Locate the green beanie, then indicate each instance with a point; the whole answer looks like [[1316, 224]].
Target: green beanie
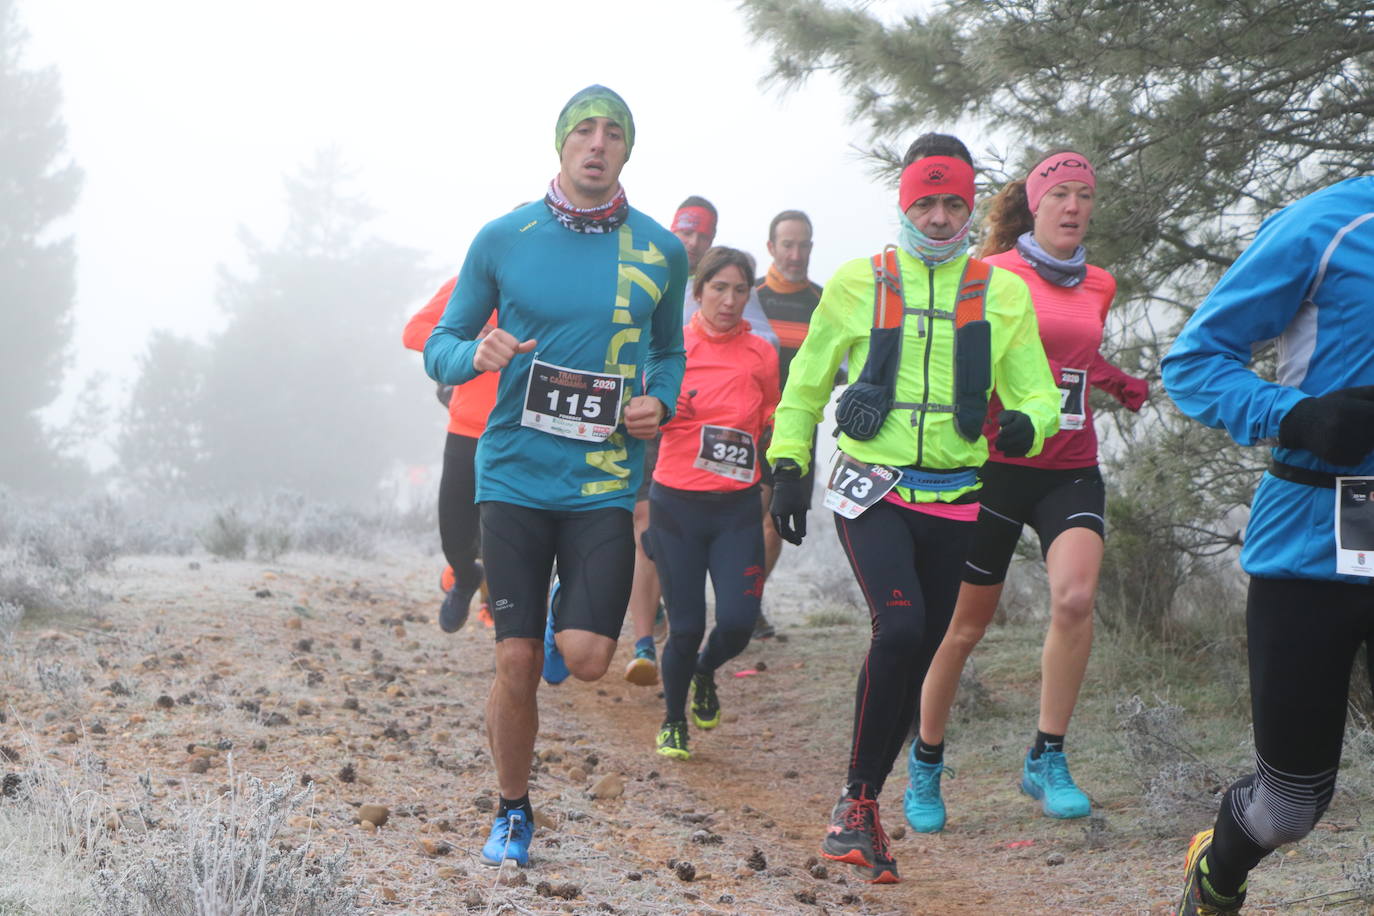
[[595, 101]]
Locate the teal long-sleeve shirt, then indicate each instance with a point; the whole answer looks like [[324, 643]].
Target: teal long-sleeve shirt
[[608, 303]]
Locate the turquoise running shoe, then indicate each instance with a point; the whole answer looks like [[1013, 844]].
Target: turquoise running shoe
[[509, 840], [1048, 780], [555, 669], [642, 670], [923, 805]]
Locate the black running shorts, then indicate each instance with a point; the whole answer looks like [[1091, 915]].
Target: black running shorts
[[1049, 500], [595, 554]]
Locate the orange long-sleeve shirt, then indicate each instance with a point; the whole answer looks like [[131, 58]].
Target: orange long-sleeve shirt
[[731, 384], [471, 404]]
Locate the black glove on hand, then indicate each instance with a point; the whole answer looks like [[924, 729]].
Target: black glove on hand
[[1015, 434], [1337, 427], [789, 501], [444, 393]]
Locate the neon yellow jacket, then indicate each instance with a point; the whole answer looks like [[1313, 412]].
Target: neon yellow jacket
[[840, 327]]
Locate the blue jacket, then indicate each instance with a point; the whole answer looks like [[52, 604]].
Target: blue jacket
[[1307, 284], [605, 302]]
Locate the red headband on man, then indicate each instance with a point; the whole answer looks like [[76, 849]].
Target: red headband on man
[[694, 219], [936, 175], [1057, 169]]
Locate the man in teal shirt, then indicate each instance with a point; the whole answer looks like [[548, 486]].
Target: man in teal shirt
[[587, 292]]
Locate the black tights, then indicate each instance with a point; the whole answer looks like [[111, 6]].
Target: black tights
[[908, 565], [459, 517], [1303, 636], [691, 535]]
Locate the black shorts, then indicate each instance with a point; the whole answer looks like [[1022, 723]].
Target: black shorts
[[595, 553], [1049, 500]]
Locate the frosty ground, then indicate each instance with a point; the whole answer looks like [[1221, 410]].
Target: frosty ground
[[327, 679]]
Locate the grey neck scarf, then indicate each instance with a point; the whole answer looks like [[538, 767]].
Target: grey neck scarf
[[1055, 270]]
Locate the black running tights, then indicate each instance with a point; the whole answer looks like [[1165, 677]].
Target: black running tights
[[691, 536], [459, 517], [908, 565], [1303, 637]]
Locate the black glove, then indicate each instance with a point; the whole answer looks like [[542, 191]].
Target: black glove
[[1337, 427], [1015, 434], [444, 393], [790, 500]]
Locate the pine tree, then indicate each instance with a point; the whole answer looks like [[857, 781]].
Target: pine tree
[[308, 386], [160, 447], [38, 186], [1202, 116]]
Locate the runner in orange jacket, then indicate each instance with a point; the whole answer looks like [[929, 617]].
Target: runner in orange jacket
[[468, 408]]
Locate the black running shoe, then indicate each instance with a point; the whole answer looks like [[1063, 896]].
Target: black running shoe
[[856, 837], [705, 703], [762, 628], [453, 613]]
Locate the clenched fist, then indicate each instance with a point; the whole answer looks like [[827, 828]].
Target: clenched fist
[[643, 415], [496, 350]]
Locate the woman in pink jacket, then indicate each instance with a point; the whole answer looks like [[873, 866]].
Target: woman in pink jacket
[[1036, 230]]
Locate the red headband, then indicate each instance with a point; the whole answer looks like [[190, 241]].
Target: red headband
[[936, 175], [694, 219], [1057, 169]]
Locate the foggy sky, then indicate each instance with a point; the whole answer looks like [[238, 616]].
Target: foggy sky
[[185, 116]]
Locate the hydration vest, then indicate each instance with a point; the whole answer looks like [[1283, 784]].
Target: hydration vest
[[865, 404]]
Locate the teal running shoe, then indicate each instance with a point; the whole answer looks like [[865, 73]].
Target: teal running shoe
[[642, 670], [1048, 780], [509, 840], [555, 669], [923, 805]]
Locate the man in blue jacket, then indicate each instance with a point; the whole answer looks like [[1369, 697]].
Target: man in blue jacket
[[587, 292], [1306, 283]]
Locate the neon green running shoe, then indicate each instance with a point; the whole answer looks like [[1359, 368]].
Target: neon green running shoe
[[1198, 896], [705, 703], [672, 740]]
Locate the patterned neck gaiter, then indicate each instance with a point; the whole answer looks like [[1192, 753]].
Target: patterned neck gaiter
[[933, 252], [608, 217]]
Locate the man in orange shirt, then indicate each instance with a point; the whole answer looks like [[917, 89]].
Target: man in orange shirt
[[788, 297]]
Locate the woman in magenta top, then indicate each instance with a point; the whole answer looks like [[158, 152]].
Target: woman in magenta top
[[704, 502], [1036, 230]]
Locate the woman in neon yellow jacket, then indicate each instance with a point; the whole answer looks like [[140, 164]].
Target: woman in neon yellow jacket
[[929, 332]]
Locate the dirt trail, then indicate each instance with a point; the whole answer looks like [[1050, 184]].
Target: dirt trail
[[335, 670]]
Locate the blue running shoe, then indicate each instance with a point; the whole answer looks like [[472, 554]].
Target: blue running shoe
[[922, 803], [555, 669], [642, 670], [1048, 780], [509, 840]]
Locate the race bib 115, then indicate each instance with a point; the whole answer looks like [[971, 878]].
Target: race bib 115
[[571, 403]]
